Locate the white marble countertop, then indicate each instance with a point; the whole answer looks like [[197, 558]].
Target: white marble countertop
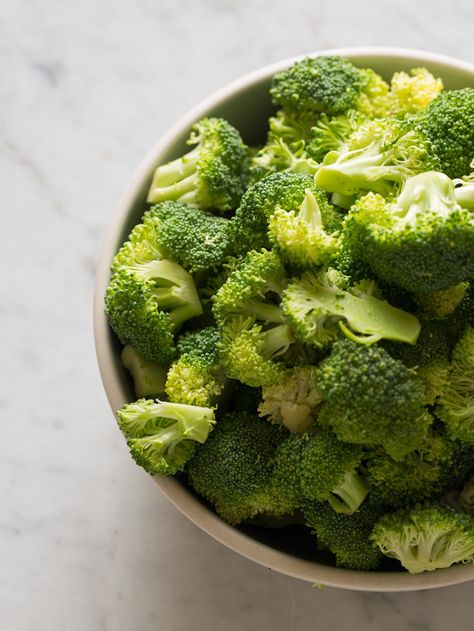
[[86, 540]]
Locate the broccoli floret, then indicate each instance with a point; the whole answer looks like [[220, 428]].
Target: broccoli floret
[[328, 84], [163, 436], [329, 472], [423, 242], [347, 536], [464, 193], [233, 469], [447, 125], [372, 399], [413, 92], [192, 237], [286, 475], [417, 477], [331, 133], [211, 176], [249, 226], [196, 378], [149, 378], [248, 353], [318, 307], [442, 303], [250, 288], [293, 401], [456, 403], [426, 537], [147, 303], [300, 237]]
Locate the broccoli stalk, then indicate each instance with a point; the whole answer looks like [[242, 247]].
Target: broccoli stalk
[[149, 378], [162, 436]]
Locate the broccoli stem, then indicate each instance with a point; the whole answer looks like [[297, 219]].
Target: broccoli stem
[[176, 170], [180, 190], [349, 494], [429, 191], [465, 196], [262, 311], [310, 212], [276, 341]]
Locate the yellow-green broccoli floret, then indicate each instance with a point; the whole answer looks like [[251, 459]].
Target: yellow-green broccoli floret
[[413, 92]]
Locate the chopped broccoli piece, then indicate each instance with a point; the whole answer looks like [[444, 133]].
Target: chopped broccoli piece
[[329, 472], [211, 176], [293, 401], [426, 537], [233, 469], [442, 303], [162, 436], [456, 403], [318, 307], [347, 536], [328, 84], [422, 242], [149, 378], [372, 399], [192, 237], [147, 303], [413, 92], [331, 133], [196, 378], [299, 235], [464, 193]]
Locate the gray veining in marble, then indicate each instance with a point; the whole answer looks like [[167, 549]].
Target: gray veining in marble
[[86, 541]]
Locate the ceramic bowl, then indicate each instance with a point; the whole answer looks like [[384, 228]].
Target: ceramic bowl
[[246, 104]]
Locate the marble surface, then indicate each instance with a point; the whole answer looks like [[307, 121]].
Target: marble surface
[[86, 540]]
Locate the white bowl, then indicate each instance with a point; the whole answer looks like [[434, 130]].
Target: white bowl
[[246, 104]]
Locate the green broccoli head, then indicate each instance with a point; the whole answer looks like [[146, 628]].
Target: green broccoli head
[[328, 84], [372, 399], [211, 176], [426, 537], [196, 378], [233, 469], [162, 436], [281, 190], [319, 307], [329, 472], [300, 237], [293, 401], [423, 242], [250, 353], [456, 403], [347, 536], [192, 237], [147, 303]]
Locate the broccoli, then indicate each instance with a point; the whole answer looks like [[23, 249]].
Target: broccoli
[[211, 176], [331, 133], [464, 193], [426, 537], [248, 353], [300, 237], [286, 472], [163, 436], [249, 289], [192, 237], [233, 469], [347, 536], [381, 154], [328, 84], [329, 472], [320, 306], [196, 378], [417, 477], [149, 378], [147, 303], [442, 303], [456, 403], [412, 93], [249, 226], [423, 242], [293, 401], [372, 399]]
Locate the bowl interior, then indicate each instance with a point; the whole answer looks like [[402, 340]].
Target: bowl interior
[[246, 104]]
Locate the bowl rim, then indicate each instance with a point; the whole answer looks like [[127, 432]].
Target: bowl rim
[[192, 507]]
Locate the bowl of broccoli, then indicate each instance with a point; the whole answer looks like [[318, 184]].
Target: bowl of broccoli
[[284, 318]]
